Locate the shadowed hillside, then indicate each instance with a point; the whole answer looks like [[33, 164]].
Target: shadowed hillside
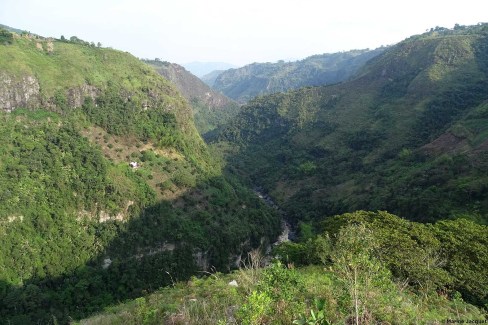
[[361, 268]]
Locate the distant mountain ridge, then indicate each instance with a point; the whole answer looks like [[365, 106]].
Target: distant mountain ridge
[[190, 86], [245, 83]]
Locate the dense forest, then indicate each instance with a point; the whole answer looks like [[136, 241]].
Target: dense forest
[[115, 211]]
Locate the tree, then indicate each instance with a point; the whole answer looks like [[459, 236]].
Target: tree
[[359, 270]]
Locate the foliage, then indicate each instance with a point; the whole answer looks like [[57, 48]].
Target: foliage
[[256, 310], [119, 117], [313, 251], [274, 298], [208, 119], [6, 37], [61, 187], [211, 109], [280, 282], [361, 273], [464, 247], [316, 318], [428, 257]]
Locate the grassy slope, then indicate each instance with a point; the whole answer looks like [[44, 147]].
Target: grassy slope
[[212, 301], [360, 144], [70, 65]]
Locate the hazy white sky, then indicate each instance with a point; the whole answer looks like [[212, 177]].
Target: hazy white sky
[[238, 32]]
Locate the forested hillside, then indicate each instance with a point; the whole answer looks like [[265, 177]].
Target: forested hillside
[[80, 228], [408, 134], [243, 84], [210, 108]]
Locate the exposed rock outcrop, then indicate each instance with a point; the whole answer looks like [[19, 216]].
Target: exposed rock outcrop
[[21, 92], [77, 95], [25, 92], [201, 260]]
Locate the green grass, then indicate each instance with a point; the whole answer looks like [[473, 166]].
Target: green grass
[[72, 65]]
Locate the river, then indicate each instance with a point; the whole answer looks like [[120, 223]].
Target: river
[[287, 232]]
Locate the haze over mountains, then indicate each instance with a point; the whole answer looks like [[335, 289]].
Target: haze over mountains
[[109, 193], [200, 69]]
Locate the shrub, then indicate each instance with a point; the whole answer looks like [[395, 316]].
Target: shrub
[[6, 37]]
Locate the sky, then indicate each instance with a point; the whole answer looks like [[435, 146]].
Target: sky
[[238, 32]]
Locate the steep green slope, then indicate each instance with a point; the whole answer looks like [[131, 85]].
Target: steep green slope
[[80, 229], [210, 109], [407, 134], [256, 79]]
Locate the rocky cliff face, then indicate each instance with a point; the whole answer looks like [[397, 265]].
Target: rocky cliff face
[[210, 108], [190, 86], [15, 93], [24, 92]]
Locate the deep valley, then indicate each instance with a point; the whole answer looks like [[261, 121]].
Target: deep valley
[[131, 192]]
